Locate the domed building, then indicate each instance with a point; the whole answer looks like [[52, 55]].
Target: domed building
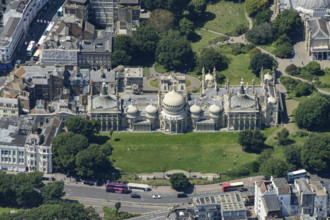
[[173, 115], [223, 108]]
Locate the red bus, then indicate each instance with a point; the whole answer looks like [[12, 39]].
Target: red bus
[[227, 187], [116, 187]]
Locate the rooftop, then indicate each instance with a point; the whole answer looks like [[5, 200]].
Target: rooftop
[[282, 185], [271, 203]]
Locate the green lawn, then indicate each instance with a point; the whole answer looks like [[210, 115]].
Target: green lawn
[[202, 152], [226, 16], [239, 68], [325, 79], [269, 47], [204, 40], [146, 71], [154, 83]]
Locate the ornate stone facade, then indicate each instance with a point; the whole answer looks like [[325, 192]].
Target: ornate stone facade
[[227, 108]]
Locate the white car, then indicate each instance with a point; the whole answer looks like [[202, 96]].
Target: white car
[[156, 197]]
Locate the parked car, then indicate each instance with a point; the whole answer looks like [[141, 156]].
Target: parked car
[[135, 196], [156, 197]]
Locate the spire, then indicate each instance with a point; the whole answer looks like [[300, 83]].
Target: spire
[[102, 73], [203, 70]]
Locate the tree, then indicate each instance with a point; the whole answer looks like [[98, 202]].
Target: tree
[[265, 155], [123, 42], [210, 58], [161, 20], [314, 114], [262, 17], [288, 22], [252, 7], [186, 27], [153, 4], [53, 191], [117, 206], [261, 34], [65, 147], [303, 89], [179, 181], [252, 141], [292, 155], [292, 70], [261, 60], [282, 136], [79, 125], [63, 210], [145, 39], [254, 52], [313, 68], [120, 57], [274, 167], [174, 51], [197, 8], [315, 154], [93, 162]]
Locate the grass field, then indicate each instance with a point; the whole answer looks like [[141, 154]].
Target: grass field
[[202, 152], [325, 79], [146, 71], [239, 68], [204, 40], [225, 16]]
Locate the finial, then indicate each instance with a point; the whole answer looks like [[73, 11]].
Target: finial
[[203, 70], [90, 82]]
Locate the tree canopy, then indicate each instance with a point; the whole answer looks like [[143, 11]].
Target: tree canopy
[[179, 181], [53, 191], [314, 114], [161, 20], [186, 27], [275, 167], [261, 34], [288, 22], [79, 125], [65, 148], [174, 51], [292, 155], [63, 210], [93, 162], [145, 39], [252, 7], [197, 8], [315, 154], [210, 58], [261, 60], [252, 141]]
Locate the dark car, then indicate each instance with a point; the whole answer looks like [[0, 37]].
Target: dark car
[[135, 196], [182, 195]]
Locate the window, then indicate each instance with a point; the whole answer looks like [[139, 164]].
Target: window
[[44, 157], [14, 160], [13, 112]]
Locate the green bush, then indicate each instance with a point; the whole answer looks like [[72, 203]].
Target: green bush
[[253, 52], [303, 89], [301, 133], [218, 39], [292, 70]]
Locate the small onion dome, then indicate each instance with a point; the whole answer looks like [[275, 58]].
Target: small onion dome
[[131, 109], [173, 102], [268, 77], [151, 109], [195, 109], [214, 109], [272, 100], [209, 77], [120, 68]]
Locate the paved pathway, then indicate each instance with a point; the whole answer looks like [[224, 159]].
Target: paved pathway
[[300, 58]]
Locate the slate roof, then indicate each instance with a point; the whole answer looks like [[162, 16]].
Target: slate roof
[[271, 203]]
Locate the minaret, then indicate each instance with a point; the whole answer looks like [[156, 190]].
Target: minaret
[[228, 84], [262, 75], [159, 99], [274, 76], [253, 85], [215, 79], [241, 89], [203, 81], [102, 72], [90, 97]]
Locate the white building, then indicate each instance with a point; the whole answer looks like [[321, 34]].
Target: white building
[[304, 199], [8, 107], [25, 143], [16, 20]]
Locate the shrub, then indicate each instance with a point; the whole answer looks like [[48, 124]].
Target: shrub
[[313, 68], [253, 52], [179, 181], [303, 89], [292, 70]]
